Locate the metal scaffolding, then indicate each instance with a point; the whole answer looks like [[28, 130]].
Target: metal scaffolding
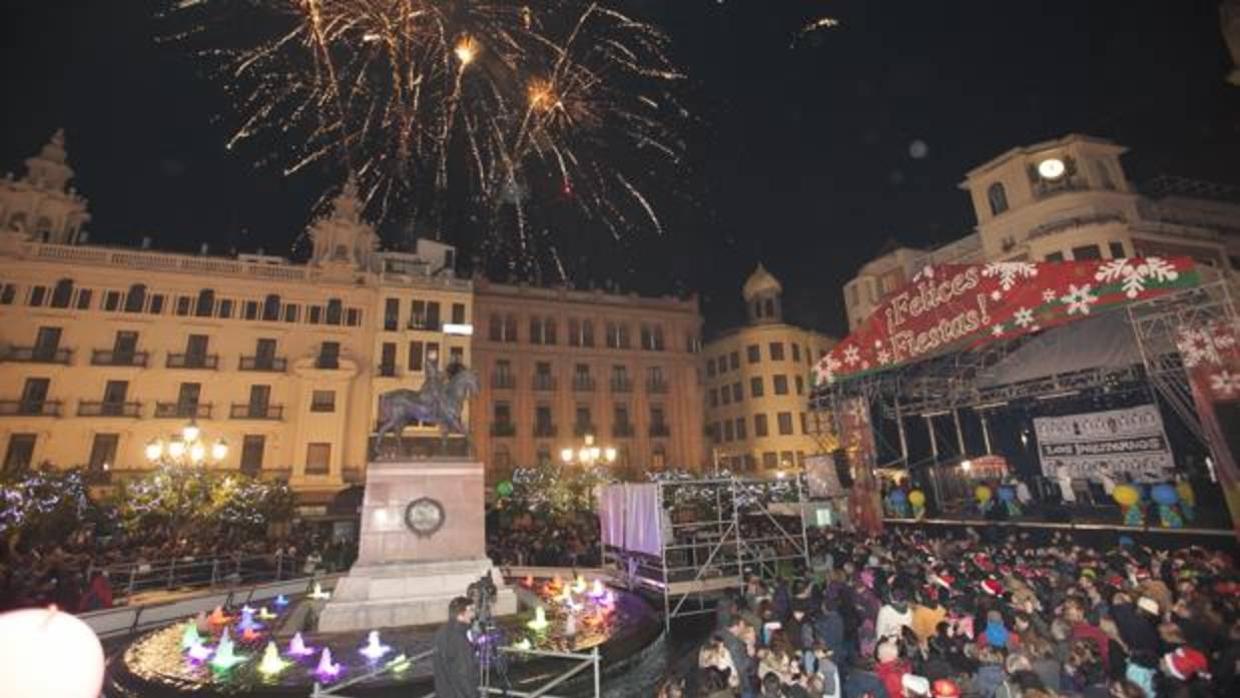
[[714, 534]]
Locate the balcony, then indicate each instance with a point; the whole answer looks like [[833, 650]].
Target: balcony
[[580, 430], [329, 363], [621, 385], [270, 364], [110, 357], [208, 362], [39, 355], [622, 431], [90, 408], [583, 384], [387, 371], [660, 430], [245, 410], [427, 325], [544, 430], [544, 382], [177, 410], [30, 408], [656, 387], [503, 429], [503, 381]]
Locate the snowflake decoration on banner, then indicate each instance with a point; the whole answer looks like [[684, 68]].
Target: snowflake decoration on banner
[[860, 411], [1134, 278], [884, 357], [852, 355], [1079, 299], [996, 295], [1225, 383], [1010, 272], [826, 369], [1195, 347], [1023, 317], [1223, 337], [1049, 296], [997, 330]]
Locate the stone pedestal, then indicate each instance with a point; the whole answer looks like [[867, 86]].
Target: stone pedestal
[[403, 578]]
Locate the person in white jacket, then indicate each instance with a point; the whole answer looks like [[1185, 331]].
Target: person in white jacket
[[893, 617]]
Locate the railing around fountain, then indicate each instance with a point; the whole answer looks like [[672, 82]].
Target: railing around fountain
[[581, 662], [130, 578]]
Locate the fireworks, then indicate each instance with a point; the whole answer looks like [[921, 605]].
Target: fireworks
[[486, 110]]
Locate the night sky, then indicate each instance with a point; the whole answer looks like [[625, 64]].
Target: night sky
[[800, 155]]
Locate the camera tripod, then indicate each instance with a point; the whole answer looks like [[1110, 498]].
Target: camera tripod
[[491, 662]]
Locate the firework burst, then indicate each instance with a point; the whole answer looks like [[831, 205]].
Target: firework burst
[[482, 109]]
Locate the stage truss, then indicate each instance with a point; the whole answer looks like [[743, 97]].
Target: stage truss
[[712, 540]]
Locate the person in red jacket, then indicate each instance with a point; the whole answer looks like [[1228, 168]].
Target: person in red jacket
[[98, 594], [1074, 613], [891, 669]]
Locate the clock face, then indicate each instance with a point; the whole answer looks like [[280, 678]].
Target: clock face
[[424, 516], [1051, 168]]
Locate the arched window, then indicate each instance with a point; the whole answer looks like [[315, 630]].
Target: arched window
[[334, 310], [135, 299], [62, 294], [271, 308], [997, 197], [206, 303]]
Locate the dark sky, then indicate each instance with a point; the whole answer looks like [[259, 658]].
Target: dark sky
[[801, 158]]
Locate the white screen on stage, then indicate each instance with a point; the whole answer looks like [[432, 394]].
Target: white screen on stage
[[629, 517]]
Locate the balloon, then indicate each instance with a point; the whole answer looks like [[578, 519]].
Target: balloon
[[1126, 495], [1185, 490], [1165, 494], [917, 498], [1007, 493], [897, 495], [44, 653], [504, 489], [982, 493]]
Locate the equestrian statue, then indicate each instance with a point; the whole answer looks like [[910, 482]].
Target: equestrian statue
[[439, 401]]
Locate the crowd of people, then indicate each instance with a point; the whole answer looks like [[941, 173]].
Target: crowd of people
[[906, 615], [89, 572], [546, 540]]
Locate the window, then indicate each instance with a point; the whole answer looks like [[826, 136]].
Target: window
[[796, 351], [582, 420], [574, 332], [124, 346], [83, 299], [46, 342], [260, 398], [536, 334], [62, 293], [768, 306], [458, 314], [777, 351], [715, 432], [1086, 252], [740, 429], [316, 314], [103, 452], [734, 360], [542, 368], [38, 294], [729, 433], [510, 328], [760, 427], [781, 384], [135, 299], [456, 356], [658, 458], [725, 395], [770, 460], [271, 308], [1054, 257], [712, 397], [503, 367], [252, 447], [737, 393], [997, 196], [290, 313], [623, 331], [587, 333], [785, 423], [432, 353], [323, 401], [114, 393], [432, 315], [710, 368], [334, 309], [647, 337], [187, 399], [112, 301], [753, 353], [182, 309], [415, 356], [206, 303], [549, 331], [800, 385], [786, 459], [226, 307], [387, 360], [20, 452], [495, 328], [353, 318], [1117, 250], [391, 314], [196, 349], [502, 413], [542, 421], [620, 419], [318, 458], [657, 420], [329, 355], [804, 424], [755, 386], [250, 310]]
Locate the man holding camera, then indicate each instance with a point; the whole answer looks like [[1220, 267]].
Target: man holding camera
[[456, 667]]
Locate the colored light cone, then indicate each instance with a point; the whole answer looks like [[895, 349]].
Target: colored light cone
[[190, 637], [327, 669], [264, 614], [374, 650], [271, 663], [281, 601], [224, 657], [318, 594], [297, 647], [540, 619]]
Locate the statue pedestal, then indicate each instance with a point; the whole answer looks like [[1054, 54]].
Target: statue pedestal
[[406, 577]]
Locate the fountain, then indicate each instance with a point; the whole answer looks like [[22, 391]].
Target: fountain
[[597, 591], [271, 663], [224, 657], [297, 647], [374, 650], [318, 594], [248, 609], [579, 585], [247, 621], [250, 635], [399, 663], [198, 652], [523, 644], [218, 617], [190, 637], [540, 620], [326, 668], [264, 614], [281, 601]]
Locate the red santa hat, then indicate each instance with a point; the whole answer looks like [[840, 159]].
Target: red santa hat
[[992, 586], [1185, 663], [944, 580], [945, 688]]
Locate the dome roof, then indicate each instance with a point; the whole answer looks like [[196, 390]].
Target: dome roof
[[761, 281]]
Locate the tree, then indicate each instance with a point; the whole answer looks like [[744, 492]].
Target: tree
[[45, 506], [178, 499]]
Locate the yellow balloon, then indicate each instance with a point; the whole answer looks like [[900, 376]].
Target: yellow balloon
[[982, 493], [1186, 491], [917, 498], [1126, 495]]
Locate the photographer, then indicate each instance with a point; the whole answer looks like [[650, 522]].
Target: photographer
[[456, 668]]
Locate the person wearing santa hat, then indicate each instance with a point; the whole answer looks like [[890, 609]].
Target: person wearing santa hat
[[944, 688], [1181, 668]]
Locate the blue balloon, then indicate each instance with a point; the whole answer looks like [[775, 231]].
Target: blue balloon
[[1007, 493], [1165, 494], [898, 496]]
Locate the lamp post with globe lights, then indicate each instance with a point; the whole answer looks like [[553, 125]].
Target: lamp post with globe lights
[[187, 448], [589, 455]]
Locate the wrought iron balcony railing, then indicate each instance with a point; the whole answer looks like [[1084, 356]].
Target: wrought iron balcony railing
[[30, 408], [273, 364], [92, 408], [244, 410], [111, 357], [208, 362], [39, 355], [179, 410]]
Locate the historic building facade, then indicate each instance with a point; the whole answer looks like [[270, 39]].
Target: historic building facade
[[757, 386], [103, 349], [1062, 200], [559, 364]]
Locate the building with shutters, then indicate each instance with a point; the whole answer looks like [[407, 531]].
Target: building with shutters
[[757, 385], [103, 349]]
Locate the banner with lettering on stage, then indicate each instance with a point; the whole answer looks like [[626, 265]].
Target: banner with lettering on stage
[[1127, 444], [953, 307]]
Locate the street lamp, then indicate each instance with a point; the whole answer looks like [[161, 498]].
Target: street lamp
[[186, 448], [589, 454]]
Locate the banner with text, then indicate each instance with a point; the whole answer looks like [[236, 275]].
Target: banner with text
[[952, 307], [1131, 442]]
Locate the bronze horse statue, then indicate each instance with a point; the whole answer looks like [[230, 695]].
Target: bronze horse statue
[[436, 402]]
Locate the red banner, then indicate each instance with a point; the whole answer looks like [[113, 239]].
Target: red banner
[[1211, 355], [952, 307]]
